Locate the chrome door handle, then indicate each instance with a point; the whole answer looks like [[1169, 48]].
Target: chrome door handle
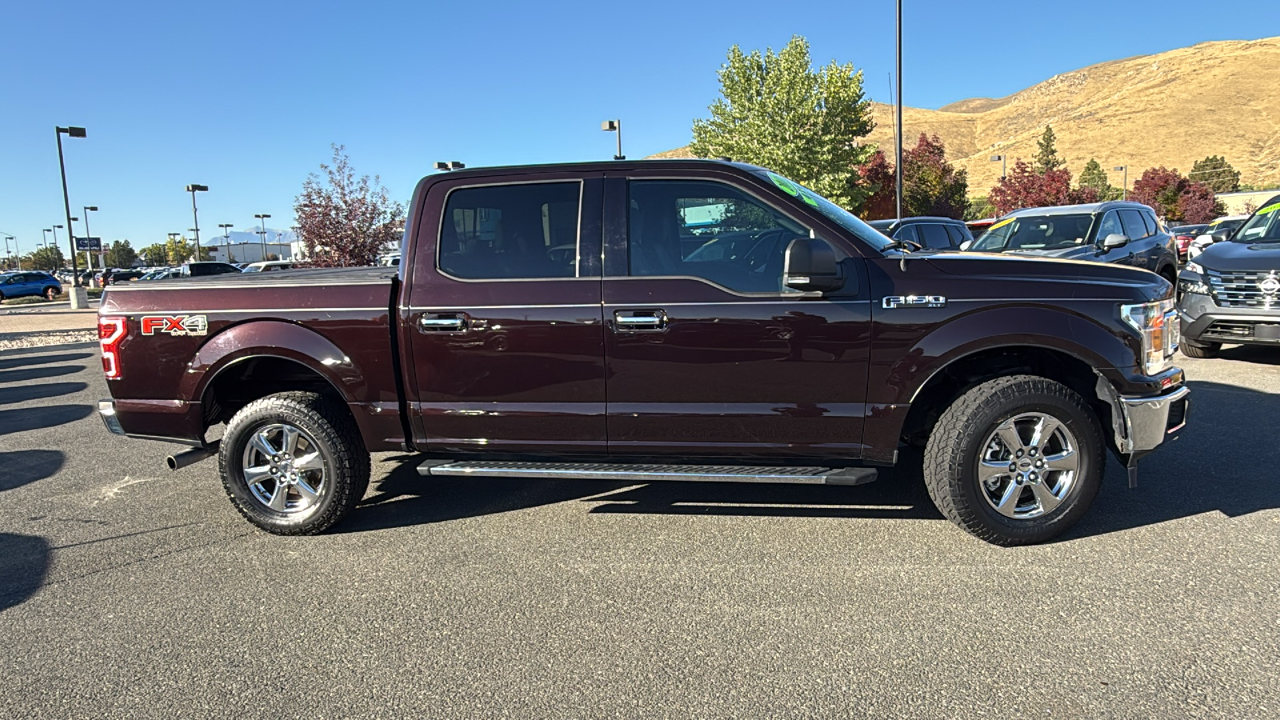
[[640, 320], [439, 322]]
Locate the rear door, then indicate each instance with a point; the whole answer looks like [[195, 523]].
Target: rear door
[[1140, 243], [504, 339], [708, 356]]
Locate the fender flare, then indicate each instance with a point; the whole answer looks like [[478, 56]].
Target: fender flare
[[276, 339], [1042, 328]]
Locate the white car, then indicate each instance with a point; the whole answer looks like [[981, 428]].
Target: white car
[[268, 266], [1223, 226]]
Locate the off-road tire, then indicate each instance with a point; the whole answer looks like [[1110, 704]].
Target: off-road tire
[[1199, 350], [952, 452], [346, 461]]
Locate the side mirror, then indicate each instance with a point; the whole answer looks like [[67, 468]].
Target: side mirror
[[811, 266], [1115, 240], [1221, 236], [965, 245]]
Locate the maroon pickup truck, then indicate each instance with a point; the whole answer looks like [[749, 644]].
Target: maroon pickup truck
[[654, 320]]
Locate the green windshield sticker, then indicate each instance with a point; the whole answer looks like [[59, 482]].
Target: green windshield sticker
[[787, 186], [1269, 209], [809, 199]]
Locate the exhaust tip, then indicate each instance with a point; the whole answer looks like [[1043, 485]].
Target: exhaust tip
[[172, 462]]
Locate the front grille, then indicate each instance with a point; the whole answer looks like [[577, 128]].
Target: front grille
[[1240, 289]]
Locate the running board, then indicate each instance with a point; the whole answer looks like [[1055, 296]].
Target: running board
[[622, 472]]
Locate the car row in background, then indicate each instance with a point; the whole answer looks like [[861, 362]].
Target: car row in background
[[1126, 233], [1230, 290], [1184, 235], [1219, 230], [932, 233]]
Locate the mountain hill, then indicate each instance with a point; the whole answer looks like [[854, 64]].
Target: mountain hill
[[1170, 109]]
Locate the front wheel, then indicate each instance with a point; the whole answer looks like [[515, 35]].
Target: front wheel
[[1194, 349], [1015, 461], [293, 463], [50, 293]]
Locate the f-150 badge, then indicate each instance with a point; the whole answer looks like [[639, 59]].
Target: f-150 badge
[[176, 325], [913, 301]]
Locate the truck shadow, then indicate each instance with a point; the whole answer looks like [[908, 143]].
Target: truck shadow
[[28, 360], [25, 393], [23, 467], [35, 418], [37, 373], [1255, 354], [1218, 464], [24, 561]]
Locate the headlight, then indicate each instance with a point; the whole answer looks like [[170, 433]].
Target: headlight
[[1194, 267], [1157, 325]]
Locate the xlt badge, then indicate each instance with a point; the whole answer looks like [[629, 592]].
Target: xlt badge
[[916, 301]]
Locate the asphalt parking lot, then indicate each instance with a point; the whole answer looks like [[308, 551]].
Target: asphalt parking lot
[[127, 590]]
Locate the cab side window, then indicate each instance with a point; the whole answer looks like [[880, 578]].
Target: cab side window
[[1110, 226], [1133, 225], [935, 236], [523, 231], [908, 232], [707, 230]]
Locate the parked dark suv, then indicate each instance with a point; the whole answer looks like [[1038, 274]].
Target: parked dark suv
[[1230, 293], [1124, 233], [934, 233]]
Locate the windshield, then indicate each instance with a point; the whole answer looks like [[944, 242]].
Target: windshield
[[1264, 226], [253, 268], [1036, 232], [832, 212]]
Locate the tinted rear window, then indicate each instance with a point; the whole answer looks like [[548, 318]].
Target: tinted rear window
[[934, 236], [511, 231]]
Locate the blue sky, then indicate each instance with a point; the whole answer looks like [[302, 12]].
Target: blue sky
[[247, 96]]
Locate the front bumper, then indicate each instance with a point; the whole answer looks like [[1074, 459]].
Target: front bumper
[[1203, 321], [1149, 421]]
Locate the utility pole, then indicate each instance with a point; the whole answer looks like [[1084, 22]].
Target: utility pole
[[226, 238], [263, 235], [897, 167], [1124, 194], [78, 298]]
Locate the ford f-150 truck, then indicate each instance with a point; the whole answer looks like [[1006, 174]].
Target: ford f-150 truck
[[654, 320]]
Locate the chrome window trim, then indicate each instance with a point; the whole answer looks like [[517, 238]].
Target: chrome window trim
[[226, 311], [135, 287], [577, 254]]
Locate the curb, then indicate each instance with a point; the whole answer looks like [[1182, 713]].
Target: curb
[[48, 348]]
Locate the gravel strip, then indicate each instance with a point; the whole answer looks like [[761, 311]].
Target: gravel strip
[[10, 341]]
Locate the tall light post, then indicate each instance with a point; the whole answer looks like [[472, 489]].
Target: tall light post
[[195, 218], [226, 238], [263, 235], [897, 140], [614, 126], [77, 301], [1002, 160], [89, 252], [1124, 192], [7, 238], [53, 258], [45, 242]]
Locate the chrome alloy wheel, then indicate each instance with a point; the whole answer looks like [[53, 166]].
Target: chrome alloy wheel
[[1028, 466], [283, 468]]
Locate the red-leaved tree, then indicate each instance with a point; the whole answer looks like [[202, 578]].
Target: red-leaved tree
[[1175, 197], [345, 221], [1026, 188], [930, 184]]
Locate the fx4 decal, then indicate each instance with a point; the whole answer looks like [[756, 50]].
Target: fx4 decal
[[177, 325]]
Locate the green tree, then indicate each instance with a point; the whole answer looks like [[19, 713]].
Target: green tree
[[121, 254], [1047, 159], [177, 250], [1216, 173], [1093, 176], [155, 254], [778, 112], [45, 258]]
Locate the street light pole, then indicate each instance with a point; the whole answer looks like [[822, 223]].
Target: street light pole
[[195, 218], [1002, 159], [263, 235], [615, 126], [7, 238], [53, 259], [898, 139], [75, 132], [1124, 188], [226, 238]]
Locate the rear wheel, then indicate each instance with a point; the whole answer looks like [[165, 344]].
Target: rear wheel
[[293, 463], [1199, 350], [1015, 461], [50, 293]]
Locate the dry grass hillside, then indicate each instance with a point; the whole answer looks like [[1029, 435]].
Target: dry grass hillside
[[1171, 109]]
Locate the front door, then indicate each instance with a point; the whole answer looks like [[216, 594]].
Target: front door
[[504, 333], [708, 355]]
